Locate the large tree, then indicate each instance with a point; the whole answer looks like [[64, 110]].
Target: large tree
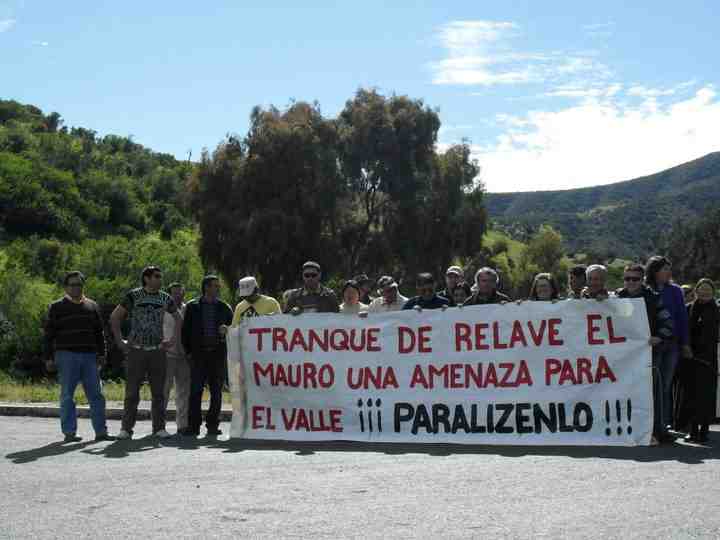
[[365, 192], [387, 152], [271, 201]]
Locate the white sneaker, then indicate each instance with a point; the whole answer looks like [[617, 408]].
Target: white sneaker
[[162, 434], [124, 435]]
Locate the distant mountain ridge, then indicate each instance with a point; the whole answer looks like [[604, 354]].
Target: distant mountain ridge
[[626, 219]]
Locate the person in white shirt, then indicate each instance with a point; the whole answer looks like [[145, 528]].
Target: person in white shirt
[[178, 368], [391, 299], [351, 299]]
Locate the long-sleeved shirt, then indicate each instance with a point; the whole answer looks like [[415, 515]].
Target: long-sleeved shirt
[[380, 305], [659, 317], [169, 332], [673, 300], [436, 302], [75, 327], [495, 298]]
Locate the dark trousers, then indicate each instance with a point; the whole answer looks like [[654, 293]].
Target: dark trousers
[[208, 367], [141, 363]]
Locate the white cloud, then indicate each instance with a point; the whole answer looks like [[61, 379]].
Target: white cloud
[[478, 53], [6, 24], [598, 141], [584, 91]]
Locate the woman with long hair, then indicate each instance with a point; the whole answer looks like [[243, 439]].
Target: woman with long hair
[[699, 373], [544, 287]]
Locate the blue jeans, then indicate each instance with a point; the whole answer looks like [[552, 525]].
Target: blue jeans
[[666, 361], [74, 368]]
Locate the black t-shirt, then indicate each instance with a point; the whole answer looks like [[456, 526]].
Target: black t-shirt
[[436, 302], [146, 311]]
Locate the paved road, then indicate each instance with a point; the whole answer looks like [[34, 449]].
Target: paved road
[[216, 489]]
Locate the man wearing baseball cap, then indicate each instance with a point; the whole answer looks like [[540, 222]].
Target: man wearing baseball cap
[[252, 303], [391, 299], [453, 276], [312, 297]]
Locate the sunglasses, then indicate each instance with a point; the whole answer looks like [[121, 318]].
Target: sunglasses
[[629, 278], [310, 276]]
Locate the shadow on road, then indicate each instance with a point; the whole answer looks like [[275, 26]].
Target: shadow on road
[[683, 453], [49, 450]]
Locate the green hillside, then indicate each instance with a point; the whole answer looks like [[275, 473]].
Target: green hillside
[[73, 184], [626, 219]]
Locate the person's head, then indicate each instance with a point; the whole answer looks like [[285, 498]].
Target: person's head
[[460, 293], [351, 293], [576, 278], [177, 291], [151, 278], [486, 280], [658, 271], [425, 285], [311, 275], [705, 291], [544, 287], [388, 288], [211, 286], [688, 293], [596, 277], [74, 283], [364, 283], [247, 289], [453, 276], [633, 275]]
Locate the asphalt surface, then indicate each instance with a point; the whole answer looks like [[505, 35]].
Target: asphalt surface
[[219, 489]]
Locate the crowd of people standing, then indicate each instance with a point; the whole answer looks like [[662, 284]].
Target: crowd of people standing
[[174, 343]]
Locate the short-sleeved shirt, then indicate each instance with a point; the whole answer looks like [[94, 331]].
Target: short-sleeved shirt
[[264, 305], [146, 311]]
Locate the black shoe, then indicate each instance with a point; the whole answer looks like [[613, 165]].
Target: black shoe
[[690, 437], [214, 432], [104, 437], [188, 432], [665, 438], [71, 437], [703, 437]]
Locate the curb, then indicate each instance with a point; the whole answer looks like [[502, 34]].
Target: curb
[[83, 411]]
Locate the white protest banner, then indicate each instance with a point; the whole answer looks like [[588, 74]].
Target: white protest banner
[[570, 373]]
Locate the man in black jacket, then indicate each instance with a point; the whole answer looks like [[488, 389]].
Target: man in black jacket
[[486, 282], [203, 337], [661, 331]]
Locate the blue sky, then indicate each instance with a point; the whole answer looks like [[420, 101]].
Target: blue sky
[[551, 95]]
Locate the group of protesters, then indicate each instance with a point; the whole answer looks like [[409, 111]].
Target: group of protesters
[[172, 343]]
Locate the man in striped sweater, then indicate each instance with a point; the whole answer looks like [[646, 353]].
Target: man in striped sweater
[[75, 345]]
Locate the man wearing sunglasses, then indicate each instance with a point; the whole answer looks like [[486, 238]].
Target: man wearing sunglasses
[[427, 298], [312, 297], [75, 345], [661, 330], [145, 348]]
